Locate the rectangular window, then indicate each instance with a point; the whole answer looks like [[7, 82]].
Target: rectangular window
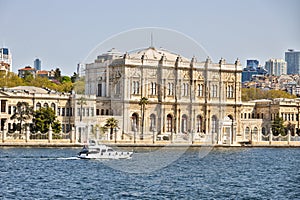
[[214, 91], [9, 109], [185, 89], [230, 91], [170, 89], [200, 90], [58, 111], [135, 87], [67, 112], [92, 112], [118, 88], [63, 111], [97, 112], [153, 88], [78, 112]]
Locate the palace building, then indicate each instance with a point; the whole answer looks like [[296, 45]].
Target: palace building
[[184, 96]]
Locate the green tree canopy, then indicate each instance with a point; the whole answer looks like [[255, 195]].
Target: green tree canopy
[[249, 94], [10, 79], [111, 123], [278, 127], [23, 113], [43, 118]]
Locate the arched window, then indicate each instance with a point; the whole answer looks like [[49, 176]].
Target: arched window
[[134, 120], [38, 106], [214, 124], [184, 124], [199, 124], [254, 133], [247, 133], [152, 122], [53, 107], [45, 105], [169, 123], [263, 131]]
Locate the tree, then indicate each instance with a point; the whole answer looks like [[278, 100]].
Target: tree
[[10, 79], [111, 123], [79, 86], [256, 93], [23, 113], [57, 74], [277, 126], [43, 118], [143, 102], [81, 102], [65, 79], [74, 78]]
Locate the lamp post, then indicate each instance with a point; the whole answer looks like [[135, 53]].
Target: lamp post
[[153, 135], [134, 136], [116, 130]]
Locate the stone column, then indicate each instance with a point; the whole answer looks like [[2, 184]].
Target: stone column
[[72, 135], [27, 134], [4, 133], [289, 137], [154, 136], [270, 136], [50, 134], [97, 133]]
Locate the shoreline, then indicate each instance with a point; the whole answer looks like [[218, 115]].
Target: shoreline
[[129, 145]]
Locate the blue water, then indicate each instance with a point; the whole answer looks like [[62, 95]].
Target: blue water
[[225, 173]]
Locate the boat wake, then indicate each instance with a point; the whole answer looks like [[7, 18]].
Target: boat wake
[[69, 158]]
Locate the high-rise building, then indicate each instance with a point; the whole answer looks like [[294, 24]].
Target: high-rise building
[[251, 69], [276, 67], [81, 69], [292, 58], [37, 64], [5, 60]]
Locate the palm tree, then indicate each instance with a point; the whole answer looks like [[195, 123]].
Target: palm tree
[[81, 102], [112, 123], [143, 102], [22, 114]]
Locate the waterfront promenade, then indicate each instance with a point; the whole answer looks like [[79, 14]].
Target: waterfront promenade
[[146, 144]]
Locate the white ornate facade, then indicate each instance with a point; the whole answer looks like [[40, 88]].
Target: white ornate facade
[[185, 97]]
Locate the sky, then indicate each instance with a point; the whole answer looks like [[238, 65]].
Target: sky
[[62, 33]]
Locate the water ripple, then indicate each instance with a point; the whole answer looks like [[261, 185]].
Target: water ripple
[[256, 173]]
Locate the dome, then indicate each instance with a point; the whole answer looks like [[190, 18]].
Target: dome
[[152, 53]]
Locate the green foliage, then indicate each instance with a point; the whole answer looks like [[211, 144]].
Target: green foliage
[[278, 127], [57, 74], [65, 79], [79, 86], [10, 80], [43, 118], [111, 123], [256, 93], [74, 78], [23, 113]]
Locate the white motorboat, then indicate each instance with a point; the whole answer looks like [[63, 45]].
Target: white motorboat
[[101, 151]]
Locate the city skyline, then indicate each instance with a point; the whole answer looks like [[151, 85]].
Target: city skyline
[[61, 34]]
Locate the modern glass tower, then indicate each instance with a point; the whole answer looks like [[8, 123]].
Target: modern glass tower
[[292, 58], [37, 64]]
